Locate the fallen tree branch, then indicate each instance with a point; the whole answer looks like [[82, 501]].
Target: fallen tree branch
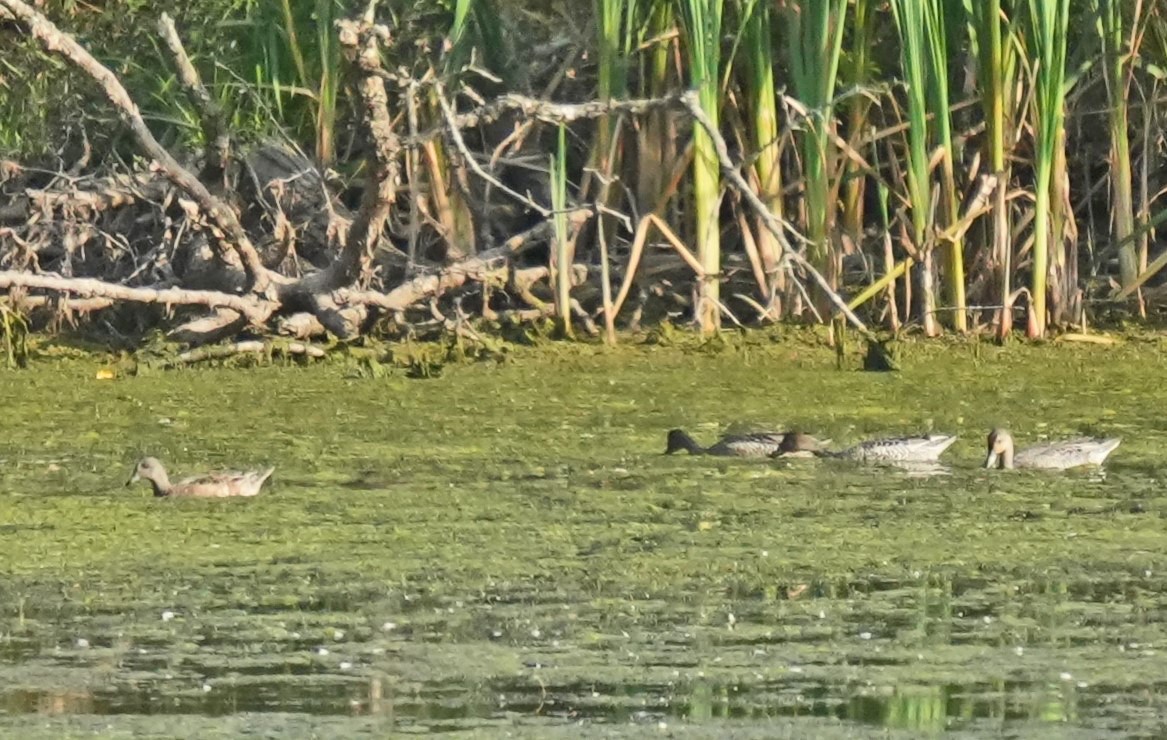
[[81, 305], [302, 325], [479, 269], [88, 195], [252, 346], [220, 324], [256, 310]]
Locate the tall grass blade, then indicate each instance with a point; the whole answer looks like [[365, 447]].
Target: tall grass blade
[[702, 25], [765, 131], [814, 44], [1046, 35], [991, 40], [561, 264], [1117, 60]]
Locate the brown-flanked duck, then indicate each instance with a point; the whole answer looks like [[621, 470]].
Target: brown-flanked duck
[[753, 444]]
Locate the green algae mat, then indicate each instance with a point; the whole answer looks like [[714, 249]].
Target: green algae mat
[[504, 550]]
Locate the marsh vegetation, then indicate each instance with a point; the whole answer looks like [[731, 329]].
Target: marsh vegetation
[[329, 172]]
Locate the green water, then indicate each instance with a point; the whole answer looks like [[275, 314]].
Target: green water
[[503, 549]]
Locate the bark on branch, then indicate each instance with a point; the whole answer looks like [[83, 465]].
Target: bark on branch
[[254, 309], [361, 43]]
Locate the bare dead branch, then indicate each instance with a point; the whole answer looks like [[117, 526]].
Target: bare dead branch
[[545, 111], [254, 346], [361, 42], [455, 134], [300, 325], [256, 310], [222, 323], [213, 121], [482, 268], [80, 305]]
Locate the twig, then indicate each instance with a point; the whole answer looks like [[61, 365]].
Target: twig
[[543, 110]]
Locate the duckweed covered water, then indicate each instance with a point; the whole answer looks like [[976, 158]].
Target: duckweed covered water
[[504, 549]]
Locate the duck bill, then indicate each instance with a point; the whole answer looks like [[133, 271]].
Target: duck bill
[[133, 479], [992, 460]]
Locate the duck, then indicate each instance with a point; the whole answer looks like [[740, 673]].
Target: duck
[[1061, 455], [752, 444], [800, 444], [210, 485], [924, 449]]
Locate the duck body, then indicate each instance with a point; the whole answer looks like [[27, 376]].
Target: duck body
[[1059, 455], [221, 484], [754, 444], [897, 449]]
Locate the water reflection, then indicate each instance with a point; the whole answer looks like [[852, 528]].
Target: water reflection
[[924, 651], [47, 701]]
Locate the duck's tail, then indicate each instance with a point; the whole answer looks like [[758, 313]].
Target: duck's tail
[[680, 440], [944, 441]]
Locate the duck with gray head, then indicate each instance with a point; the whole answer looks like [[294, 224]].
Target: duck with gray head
[[1061, 455], [210, 485], [753, 444]]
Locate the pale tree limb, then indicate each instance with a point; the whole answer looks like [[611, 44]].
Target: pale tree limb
[[87, 196], [543, 110], [80, 305], [219, 324], [455, 134], [256, 310], [251, 346], [302, 325], [473, 269]]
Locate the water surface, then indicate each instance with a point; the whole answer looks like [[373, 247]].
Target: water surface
[[504, 550]]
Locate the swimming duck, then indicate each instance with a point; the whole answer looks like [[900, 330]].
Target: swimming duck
[[800, 444], [210, 485], [754, 444], [896, 449], [1070, 453]]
